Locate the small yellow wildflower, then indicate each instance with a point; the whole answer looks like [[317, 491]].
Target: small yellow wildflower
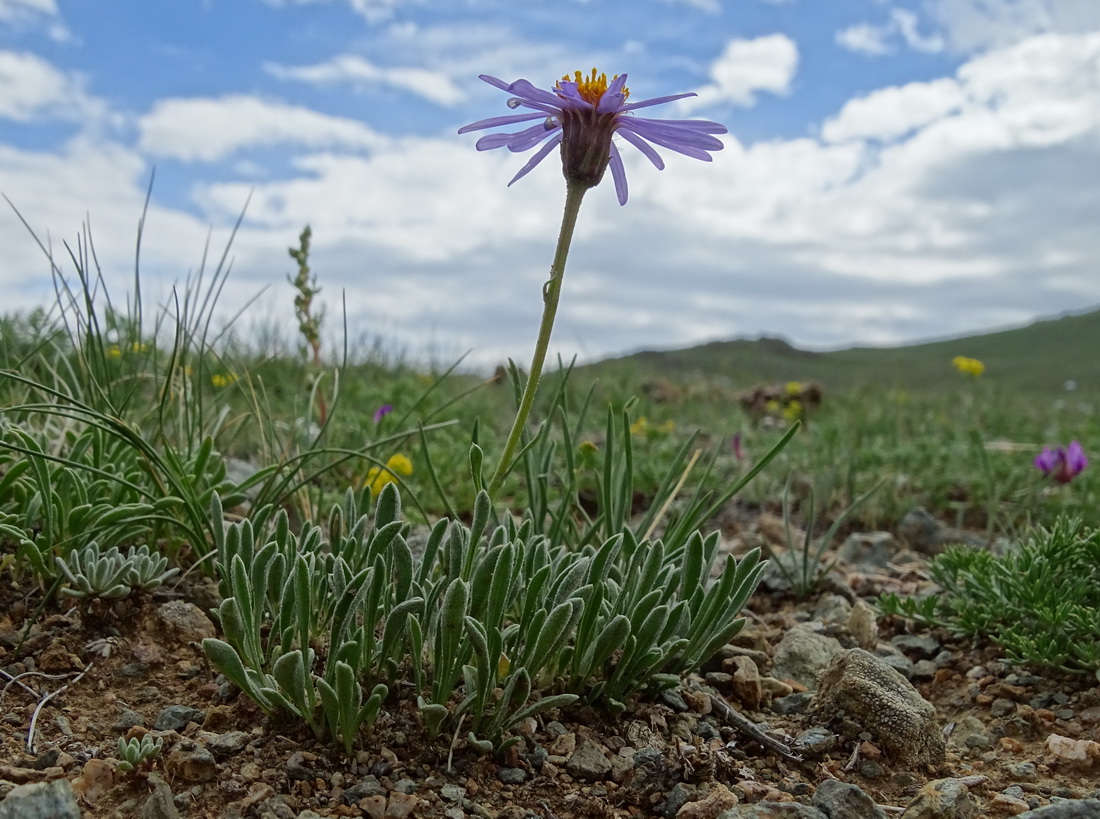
[[793, 411], [219, 380], [968, 366], [114, 351], [401, 464], [794, 388], [772, 407], [644, 429], [378, 477]]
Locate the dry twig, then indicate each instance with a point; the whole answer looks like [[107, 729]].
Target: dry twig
[[745, 725]]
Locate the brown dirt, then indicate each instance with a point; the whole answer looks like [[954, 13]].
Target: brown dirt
[[148, 669]]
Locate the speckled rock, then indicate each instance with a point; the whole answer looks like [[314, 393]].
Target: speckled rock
[[863, 625], [944, 799], [185, 621], [1005, 805], [588, 762], [803, 654], [160, 805], [41, 800], [745, 682], [127, 719], [719, 798], [227, 744], [971, 736], [1069, 809], [860, 690], [192, 765], [868, 550], [401, 805], [921, 646], [177, 717], [816, 740], [512, 776], [924, 534], [841, 800], [772, 810], [832, 608]]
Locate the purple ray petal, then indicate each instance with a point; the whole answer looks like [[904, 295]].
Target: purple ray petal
[[491, 141], [689, 145], [671, 130], [644, 147], [657, 101], [529, 93], [526, 140], [493, 81], [618, 174], [496, 122], [537, 158]]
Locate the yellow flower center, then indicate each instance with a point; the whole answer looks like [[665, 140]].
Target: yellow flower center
[[592, 88]]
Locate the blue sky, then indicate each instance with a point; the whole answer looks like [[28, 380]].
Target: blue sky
[[894, 171]]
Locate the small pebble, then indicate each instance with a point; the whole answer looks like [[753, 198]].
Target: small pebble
[[512, 776], [452, 793], [177, 717]]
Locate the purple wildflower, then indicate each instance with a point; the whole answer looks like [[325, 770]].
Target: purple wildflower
[[582, 116], [1064, 463], [382, 412]]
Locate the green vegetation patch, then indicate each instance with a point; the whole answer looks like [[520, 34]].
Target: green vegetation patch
[[1040, 601]]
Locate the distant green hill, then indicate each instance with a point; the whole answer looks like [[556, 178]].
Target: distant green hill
[[1042, 356]]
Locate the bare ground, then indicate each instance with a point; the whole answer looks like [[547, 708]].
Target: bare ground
[[101, 674]]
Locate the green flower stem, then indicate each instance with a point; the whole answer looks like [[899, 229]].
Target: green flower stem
[[574, 193]]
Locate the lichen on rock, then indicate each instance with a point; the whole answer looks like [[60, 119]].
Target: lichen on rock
[[859, 692]]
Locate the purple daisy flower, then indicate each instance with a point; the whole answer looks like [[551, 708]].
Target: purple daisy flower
[[582, 116], [382, 412], [1062, 464]]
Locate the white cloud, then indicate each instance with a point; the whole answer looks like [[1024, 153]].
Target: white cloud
[[21, 14], [895, 111], [973, 206], [462, 51], [1046, 90], [32, 13], [31, 88], [865, 38], [747, 67], [13, 10], [395, 198], [206, 130], [976, 25], [709, 6], [349, 68], [909, 29], [927, 208], [89, 182], [372, 11]]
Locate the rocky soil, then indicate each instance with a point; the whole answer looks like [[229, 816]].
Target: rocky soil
[[815, 711]]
